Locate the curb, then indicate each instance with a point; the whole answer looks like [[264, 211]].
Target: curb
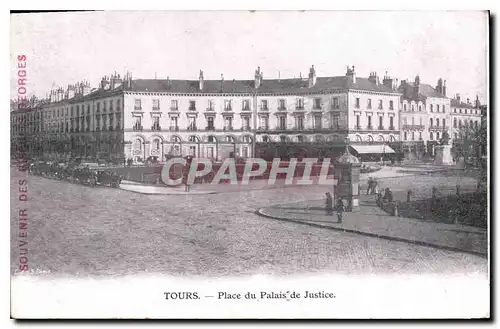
[[170, 194], [260, 212]]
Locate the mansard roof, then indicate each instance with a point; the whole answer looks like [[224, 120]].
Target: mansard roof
[[296, 85], [457, 103], [426, 90]]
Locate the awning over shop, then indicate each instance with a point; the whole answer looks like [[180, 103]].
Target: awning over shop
[[372, 148]]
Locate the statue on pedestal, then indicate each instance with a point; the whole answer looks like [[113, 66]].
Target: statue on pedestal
[[445, 139]]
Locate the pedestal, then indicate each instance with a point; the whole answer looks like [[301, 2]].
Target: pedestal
[[443, 155]]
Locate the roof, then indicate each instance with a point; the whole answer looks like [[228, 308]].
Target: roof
[[372, 148], [295, 85], [457, 103], [425, 91]]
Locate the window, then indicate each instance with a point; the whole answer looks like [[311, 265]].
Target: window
[[156, 104], [357, 122], [437, 108], [437, 122], [412, 121], [105, 106], [444, 122], [421, 122], [336, 103], [281, 104], [357, 103], [173, 123], [391, 122], [265, 139], [430, 122], [156, 144], [174, 104], [111, 106], [317, 103], [118, 106], [317, 122], [227, 105], [300, 103], [282, 122], [138, 144], [380, 104], [404, 107], [192, 124], [210, 151], [454, 122], [443, 109], [459, 123], [413, 107], [264, 122], [405, 136], [192, 105], [369, 105], [380, 122], [460, 110], [299, 122], [210, 123], [210, 105], [246, 105], [391, 105], [369, 122], [431, 136], [432, 108], [156, 123], [263, 105], [420, 108], [246, 123], [412, 135], [334, 121], [437, 136], [137, 104], [419, 135]]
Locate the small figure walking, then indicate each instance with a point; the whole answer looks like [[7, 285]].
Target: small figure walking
[[340, 209], [329, 204], [370, 186]]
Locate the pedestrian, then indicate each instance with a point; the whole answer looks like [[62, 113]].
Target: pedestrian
[[329, 204], [374, 187], [370, 184], [340, 209]]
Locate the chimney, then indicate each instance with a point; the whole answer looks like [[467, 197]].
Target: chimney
[[444, 88], [169, 84], [439, 87], [468, 100], [70, 92], [351, 74], [417, 86], [312, 77], [374, 78], [458, 98], [258, 77], [221, 82], [389, 82], [202, 83], [478, 104], [86, 88]]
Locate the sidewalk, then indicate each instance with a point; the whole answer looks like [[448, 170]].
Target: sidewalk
[[372, 221], [160, 190]]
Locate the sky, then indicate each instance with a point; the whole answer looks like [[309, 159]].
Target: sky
[[63, 48]]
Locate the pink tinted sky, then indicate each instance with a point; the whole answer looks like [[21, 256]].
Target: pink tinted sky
[[63, 48]]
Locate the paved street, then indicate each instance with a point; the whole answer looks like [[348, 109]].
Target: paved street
[[75, 229]]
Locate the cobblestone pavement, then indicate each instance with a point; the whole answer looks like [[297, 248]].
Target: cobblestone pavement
[[79, 230]]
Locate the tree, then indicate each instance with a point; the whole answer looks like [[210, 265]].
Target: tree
[[473, 140]]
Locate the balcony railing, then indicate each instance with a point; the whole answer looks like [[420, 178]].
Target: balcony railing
[[299, 127], [299, 107], [192, 108], [156, 108], [392, 128], [439, 128], [380, 127], [210, 109], [413, 127], [228, 128], [137, 128], [264, 108], [357, 127], [263, 128], [369, 127], [173, 128], [174, 109], [136, 108], [156, 128], [281, 108], [246, 109], [228, 109], [246, 128], [192, 128]]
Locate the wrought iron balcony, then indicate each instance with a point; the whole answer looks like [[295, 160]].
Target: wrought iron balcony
[[192, 128], [137, 128], [264, 108], [174, 109], [413, 127], [228, 128], [210, 128], [380, 127], [136, 108], [156, 128], [156, 108], [173, 128]]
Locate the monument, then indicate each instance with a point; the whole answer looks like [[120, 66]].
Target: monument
[[347, 170], [443, 151]]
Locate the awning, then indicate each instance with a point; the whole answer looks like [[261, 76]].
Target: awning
[[372, 148]]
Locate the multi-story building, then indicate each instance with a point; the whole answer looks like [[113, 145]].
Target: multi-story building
[[425, 116], [466, 119], [143, 118]]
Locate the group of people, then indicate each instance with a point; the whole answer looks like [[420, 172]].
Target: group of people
[[372, 186]]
